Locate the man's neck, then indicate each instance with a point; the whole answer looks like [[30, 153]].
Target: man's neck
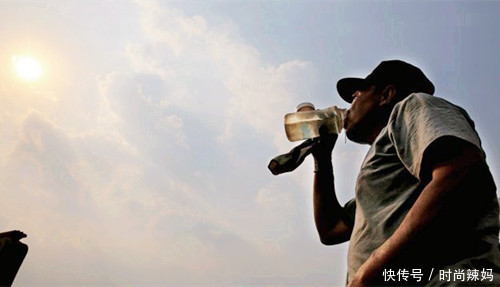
[[377, 128]]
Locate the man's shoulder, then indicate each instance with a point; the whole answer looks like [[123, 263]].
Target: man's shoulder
[[419, 102], [422, 99]]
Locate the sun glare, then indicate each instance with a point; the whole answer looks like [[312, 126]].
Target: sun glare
[[26, 67]]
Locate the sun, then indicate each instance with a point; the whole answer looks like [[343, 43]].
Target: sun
[[26, 67]]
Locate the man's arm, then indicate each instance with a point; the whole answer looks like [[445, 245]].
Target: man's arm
[[448, 168], [330, 217]]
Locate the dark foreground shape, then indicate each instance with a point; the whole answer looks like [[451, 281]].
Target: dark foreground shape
[[12, 254]]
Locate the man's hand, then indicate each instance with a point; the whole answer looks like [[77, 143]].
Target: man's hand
[[323, 149], [357, 282], [14, 235], [365, 275]]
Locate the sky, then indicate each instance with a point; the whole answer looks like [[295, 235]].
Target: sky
[[139, 156]]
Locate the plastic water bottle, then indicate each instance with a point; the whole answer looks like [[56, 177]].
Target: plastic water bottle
[[305, 123]]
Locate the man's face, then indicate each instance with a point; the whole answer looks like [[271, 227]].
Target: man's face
[[362, 116]]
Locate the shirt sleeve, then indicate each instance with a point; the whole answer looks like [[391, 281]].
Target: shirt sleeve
[[419, 120], [350, 209]]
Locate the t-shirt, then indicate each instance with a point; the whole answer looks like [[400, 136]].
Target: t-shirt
[[464, 240]]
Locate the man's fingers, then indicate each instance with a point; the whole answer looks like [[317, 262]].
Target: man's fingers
[[323, 131], [16, 235], [21, 234], [324, 134]]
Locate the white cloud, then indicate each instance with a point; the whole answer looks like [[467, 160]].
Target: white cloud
[[214, 73], [156, 173]]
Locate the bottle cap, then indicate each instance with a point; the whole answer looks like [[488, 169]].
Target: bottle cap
[[306, 106]]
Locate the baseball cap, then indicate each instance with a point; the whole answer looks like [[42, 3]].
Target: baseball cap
[[399, 73]]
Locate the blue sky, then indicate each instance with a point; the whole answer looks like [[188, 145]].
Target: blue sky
[[139, 157]]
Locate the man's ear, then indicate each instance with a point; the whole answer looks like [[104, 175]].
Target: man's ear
[[388, 95]]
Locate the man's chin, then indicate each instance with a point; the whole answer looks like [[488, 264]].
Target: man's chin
[[352, 135]]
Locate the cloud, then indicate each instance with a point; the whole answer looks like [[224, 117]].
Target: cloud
[[156, 173], [212, 72]]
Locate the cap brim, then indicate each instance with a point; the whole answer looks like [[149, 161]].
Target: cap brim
[[347, 86]]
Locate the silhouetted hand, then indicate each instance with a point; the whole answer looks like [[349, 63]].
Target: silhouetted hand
[[323, 149], [14, 235]]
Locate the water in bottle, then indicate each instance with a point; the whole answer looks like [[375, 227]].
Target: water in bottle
[[305, 123]]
